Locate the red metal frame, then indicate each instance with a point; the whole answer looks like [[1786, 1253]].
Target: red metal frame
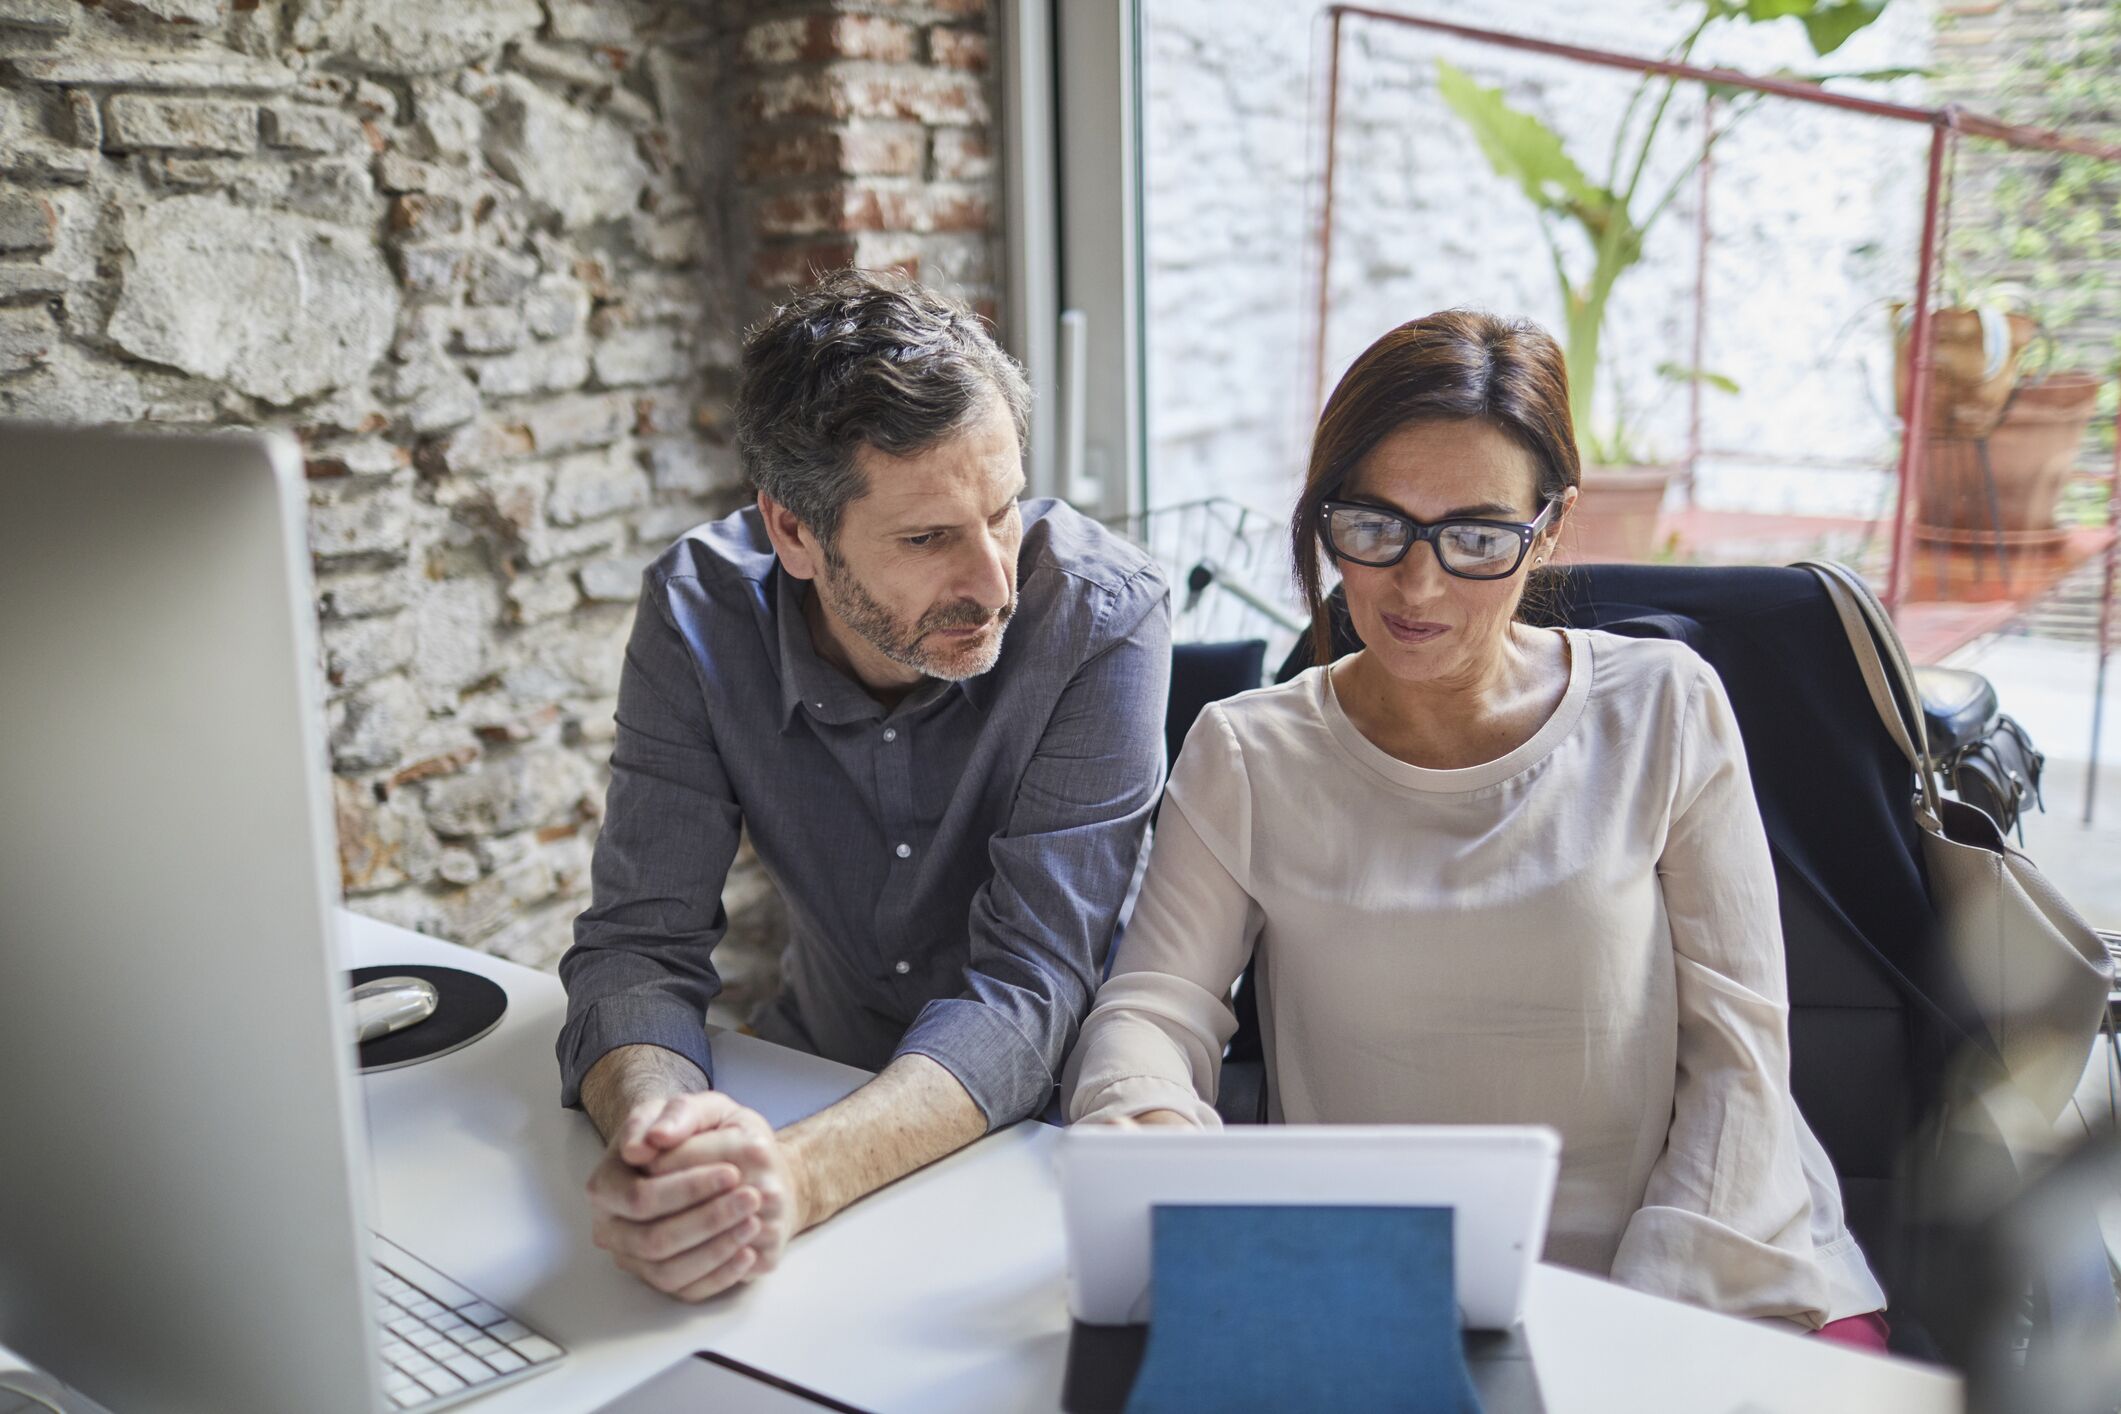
[[1945, 125]]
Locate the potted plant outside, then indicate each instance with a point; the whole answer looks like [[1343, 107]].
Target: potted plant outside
[[1612, 518], [1997, 477]]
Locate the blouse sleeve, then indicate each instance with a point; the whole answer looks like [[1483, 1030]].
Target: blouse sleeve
[[1726, 1218], [1154, 1038]]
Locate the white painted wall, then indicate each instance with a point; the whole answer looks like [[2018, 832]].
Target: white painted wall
[[1815, 217]]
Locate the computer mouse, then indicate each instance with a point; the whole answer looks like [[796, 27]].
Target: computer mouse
[[391, 1004]]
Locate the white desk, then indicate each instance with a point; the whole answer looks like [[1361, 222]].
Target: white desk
[[940, 1293], [943, 1292]]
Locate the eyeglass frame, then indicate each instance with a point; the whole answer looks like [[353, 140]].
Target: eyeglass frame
[[1527, 532]]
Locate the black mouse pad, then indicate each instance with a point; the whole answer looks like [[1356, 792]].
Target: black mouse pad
[[467, 1007]]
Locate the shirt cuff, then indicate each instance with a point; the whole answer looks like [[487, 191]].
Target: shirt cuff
[[1137, 1095], [604, 1026], [1003, 1072]]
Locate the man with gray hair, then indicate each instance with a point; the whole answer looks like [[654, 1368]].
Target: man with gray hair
[[953, 812]]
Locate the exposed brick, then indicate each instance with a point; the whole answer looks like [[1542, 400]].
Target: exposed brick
[[84, 120], [191, 14], [222, 70], [306, 129], [495, 329], [793, 266], [542, 368], [867, 207], [396, 172], [859, 149], [962, 154], [444, 764], [611, 581], [568, 424], [500, 277], [377, 524], [27, 222], [46, 164], [591, 21], [955, 48], [424, 215], [430, 270], [589, 485], [484, 592], [534, 598], [556, 308], [180, 124], [647, 355], [813, 39], [564, 66], [26, 338], [477, 446], [37, 16], [923, 95], [25, 282]]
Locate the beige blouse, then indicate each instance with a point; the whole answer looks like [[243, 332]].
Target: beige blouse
[[1582, 934]]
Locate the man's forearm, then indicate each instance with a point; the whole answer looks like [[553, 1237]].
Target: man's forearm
[[912, 1114], [629, 1075]]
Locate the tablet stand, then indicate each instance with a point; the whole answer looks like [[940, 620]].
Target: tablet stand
[[1279, 1308]]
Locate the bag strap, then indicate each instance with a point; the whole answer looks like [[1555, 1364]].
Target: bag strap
[[1888, 675]]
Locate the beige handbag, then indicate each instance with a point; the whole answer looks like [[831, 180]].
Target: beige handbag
[[2037, 972]]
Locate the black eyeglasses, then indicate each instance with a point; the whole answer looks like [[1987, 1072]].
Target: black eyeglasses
[[1468, 547]]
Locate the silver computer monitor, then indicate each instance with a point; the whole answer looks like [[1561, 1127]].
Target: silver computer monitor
[[179, 1218]]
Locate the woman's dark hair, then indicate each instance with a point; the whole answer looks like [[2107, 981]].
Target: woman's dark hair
[[1455, 366]]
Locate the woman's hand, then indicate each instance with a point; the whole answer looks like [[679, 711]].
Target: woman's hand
[[1170, 1119], [1159, 1119]]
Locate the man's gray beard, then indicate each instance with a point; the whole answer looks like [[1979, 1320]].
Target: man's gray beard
[[861, 611]]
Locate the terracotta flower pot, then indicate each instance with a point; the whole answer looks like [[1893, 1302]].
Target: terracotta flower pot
[[2030, 454], [1616, 513], [1965, 398]]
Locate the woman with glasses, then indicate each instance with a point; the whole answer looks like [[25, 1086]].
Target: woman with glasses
[[1492, 873]]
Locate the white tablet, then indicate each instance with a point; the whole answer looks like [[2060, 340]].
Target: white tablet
[[1498, 1182]]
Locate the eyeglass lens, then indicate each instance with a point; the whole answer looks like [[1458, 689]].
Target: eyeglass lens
[[1371, 536]]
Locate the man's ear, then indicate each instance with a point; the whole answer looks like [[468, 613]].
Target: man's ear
[[799, 551]]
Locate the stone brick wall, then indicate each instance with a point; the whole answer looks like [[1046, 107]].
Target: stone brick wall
[[488, 260], [869, 142]]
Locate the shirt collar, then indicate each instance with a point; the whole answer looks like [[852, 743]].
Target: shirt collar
[[808, 682]]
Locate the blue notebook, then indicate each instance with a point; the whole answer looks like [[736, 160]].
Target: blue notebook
[[1276, 1308]]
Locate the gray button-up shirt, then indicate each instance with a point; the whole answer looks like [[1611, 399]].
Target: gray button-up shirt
[[954, 868]]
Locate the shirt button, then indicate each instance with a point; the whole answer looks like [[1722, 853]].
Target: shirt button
[[902, 968], [904, 851], [891, 733]]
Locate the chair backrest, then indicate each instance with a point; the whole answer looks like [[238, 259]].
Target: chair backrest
[[1208, 672], [1875, 1007]]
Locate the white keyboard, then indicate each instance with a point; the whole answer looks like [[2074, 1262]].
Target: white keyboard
[[442, 1342]]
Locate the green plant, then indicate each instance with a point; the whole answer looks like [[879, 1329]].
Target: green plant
[[1615, 215]]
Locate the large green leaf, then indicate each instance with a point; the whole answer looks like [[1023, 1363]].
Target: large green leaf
[[1830, 26], [1827, 23], [1526, 151], [1677, 373], [1518, 146]]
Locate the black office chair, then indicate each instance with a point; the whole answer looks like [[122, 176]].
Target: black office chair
[[1875, 1008], [1202, 673], [1208, 672]]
